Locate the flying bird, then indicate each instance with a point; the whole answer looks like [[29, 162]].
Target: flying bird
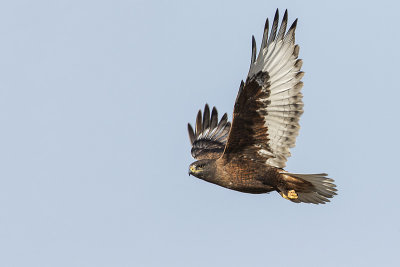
[[249, 154]]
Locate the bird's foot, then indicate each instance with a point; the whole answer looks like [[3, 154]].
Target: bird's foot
[[284, 196], [291, 194]]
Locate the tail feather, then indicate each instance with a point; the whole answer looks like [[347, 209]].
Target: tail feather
[[321, 189]]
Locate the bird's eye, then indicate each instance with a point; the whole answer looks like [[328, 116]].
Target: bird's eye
[[201, 166]]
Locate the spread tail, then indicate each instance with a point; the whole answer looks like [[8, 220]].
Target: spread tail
[[308, 188]]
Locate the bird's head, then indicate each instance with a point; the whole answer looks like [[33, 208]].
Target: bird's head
[[203, 169]]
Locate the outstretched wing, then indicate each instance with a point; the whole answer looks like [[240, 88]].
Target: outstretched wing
[[268, 106], [209, 139]]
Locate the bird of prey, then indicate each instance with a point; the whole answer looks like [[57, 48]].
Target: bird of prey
[[249, 154]]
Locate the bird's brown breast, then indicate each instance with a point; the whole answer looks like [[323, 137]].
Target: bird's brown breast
[[246, 175]]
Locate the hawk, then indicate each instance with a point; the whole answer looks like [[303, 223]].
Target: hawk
[[249, 154]]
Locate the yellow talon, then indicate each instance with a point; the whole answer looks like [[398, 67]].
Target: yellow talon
[[284, 196], [292, 194]]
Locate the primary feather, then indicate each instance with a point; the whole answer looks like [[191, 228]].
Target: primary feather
[[209, 139]]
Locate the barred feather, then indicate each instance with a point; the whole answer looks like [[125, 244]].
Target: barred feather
[[282, 106], [209, 139]]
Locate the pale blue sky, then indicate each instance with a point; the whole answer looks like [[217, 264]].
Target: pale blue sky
[[94, 101]]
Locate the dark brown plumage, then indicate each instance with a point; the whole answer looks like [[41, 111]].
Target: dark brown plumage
[[249, 155]]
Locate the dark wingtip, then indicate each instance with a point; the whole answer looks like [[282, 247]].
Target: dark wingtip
[[294, 25], [285, 16], [240, 88], [274, 27], [191, 133], [276, 16], [265, 35], [206, 110], [266, 25], [224, 117], [296, 51], [198, 123], [253, 49], [213, 119], [206, 117]]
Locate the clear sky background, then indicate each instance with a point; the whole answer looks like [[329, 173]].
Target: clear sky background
[[94, 101]]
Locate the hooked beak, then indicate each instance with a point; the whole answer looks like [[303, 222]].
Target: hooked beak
[[192, 170]]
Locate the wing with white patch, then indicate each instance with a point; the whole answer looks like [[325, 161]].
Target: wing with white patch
[[269, 105], [209, 138]]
